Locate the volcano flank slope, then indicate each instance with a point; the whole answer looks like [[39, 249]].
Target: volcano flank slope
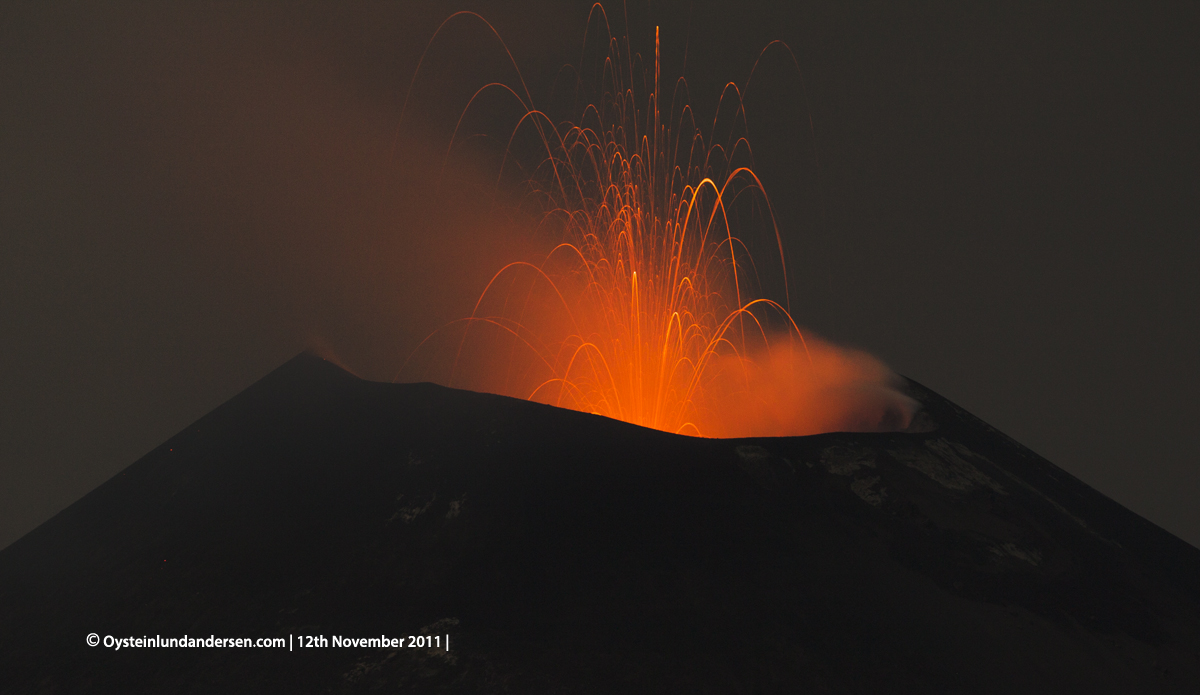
[[566, 552]]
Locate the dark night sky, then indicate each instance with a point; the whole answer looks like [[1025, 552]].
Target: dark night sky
[[1003, 208]]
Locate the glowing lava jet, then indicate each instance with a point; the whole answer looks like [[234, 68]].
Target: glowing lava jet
[[645, 305]]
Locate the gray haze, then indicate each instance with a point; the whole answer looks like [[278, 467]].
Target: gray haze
[[999, 203]]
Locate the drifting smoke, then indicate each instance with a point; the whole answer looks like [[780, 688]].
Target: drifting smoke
[[645, 305], [793, 391]]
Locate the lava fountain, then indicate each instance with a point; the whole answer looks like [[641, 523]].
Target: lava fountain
[[644, 304]]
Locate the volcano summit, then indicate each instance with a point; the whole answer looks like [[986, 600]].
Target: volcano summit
[[565, 552]]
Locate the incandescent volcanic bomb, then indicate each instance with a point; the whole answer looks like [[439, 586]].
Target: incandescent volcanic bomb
[[568, 553]]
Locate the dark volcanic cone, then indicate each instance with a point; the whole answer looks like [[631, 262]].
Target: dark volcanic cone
[[563, 552]]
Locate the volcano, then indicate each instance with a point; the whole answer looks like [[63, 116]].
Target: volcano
[[503, 546]]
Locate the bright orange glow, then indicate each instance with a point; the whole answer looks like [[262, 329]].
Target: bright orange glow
[[645, 304]]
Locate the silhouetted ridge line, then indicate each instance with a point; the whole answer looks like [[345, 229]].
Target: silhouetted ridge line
[[565, 552]]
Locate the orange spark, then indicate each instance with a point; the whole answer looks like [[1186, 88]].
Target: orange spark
[[645, 306]]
